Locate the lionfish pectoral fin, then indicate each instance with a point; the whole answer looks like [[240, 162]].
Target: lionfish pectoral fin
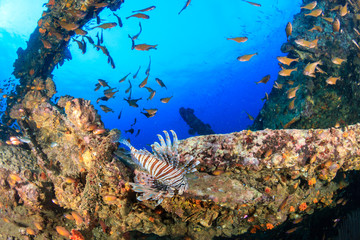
[[144, 179]]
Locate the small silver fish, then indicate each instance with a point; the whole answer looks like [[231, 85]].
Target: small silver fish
[[24, 139]]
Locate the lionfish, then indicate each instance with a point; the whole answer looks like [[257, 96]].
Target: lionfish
[[161, 176]]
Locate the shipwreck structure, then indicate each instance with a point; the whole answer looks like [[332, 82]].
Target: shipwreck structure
[[63, 181]]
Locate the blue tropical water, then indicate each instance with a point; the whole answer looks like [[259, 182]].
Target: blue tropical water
[[193, 58]]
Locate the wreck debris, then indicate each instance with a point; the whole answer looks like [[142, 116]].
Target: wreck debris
[[195, 124]]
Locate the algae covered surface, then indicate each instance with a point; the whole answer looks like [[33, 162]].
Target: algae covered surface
[[64, 175]]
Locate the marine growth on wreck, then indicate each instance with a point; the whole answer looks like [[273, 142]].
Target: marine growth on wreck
[[293, 174]]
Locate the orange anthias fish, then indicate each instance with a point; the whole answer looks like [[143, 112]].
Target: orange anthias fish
[[335, 8], [288, 30], [245, 58], [278, 85], [68, 26], [186, 5], [103, 49], [152, 94], [238, 39], [336, 25], [147, 72], [46, 44], [304, 43], [310, 68], [165, 100], [320, 70], [103, 83], [292, 92], [316, 28], [328, 19], [144, 47], [287, 72], [151, 111], [144, 82], [145, 9], [287, 61], [338, 61], [253, 3], [291, 105], [139, 15], [343, 10], [100, 5], [81, 32], [249, 116], [106, 25], [315, 13], [310, 6], [332, 80], [160, 82], [264, 79]]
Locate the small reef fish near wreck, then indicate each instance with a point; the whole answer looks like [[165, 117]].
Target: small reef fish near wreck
[[151, 111], [252, 3], [316, 28], [103, 83], [332, 80], [132, 102], [310, 6], [288, 30], [309, 69], [124, 78], [139, 15], [144, 82], [165, 100], [151, 96], [314, 13], [106, 25], [249, 116], [137, 72], [307, 44], [161, 83], [238, 39], [68, 26], [131, 131], [106, 109], [145, 9], [161, 173], [338, 61], [287, 72], [119, 20], [137, 35], [147, 72], [186, 5], [264, 79], [286, 60], [336, 25], [292, 92], [144, 47], [246, 58]]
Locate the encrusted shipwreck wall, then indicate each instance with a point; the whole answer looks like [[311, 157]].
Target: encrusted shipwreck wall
[[247, 181], [318, 103]]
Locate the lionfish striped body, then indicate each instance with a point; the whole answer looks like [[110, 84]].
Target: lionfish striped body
[[163, 174]]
